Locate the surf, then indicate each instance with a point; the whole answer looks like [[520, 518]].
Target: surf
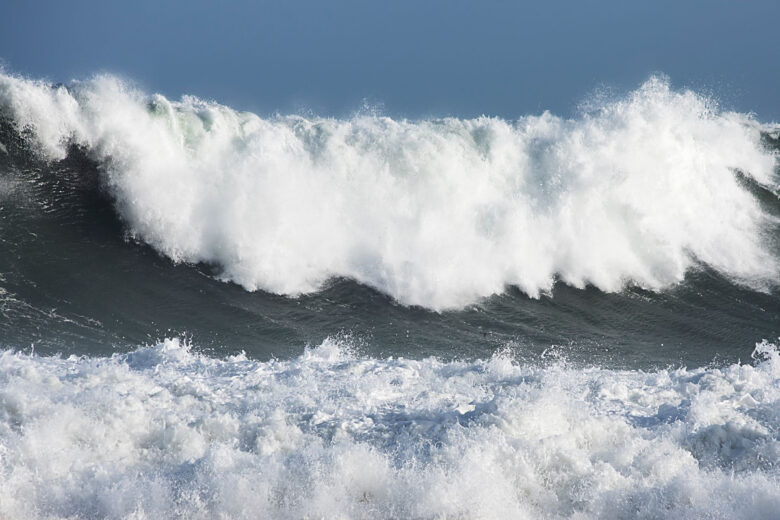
[[165, 431], [635, 191]]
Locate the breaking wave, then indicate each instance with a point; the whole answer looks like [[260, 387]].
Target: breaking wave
[[437, 213]]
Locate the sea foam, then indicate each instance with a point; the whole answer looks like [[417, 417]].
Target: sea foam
[[164, 432], [438, 213]]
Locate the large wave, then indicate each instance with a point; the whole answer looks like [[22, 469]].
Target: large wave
[[163, 432], [437, 213]]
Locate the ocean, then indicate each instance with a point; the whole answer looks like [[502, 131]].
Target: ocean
[[207, 313]]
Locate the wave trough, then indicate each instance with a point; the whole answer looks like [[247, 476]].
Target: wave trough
[[437, 213]]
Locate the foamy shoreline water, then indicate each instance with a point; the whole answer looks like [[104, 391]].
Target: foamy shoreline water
[[164, 432]]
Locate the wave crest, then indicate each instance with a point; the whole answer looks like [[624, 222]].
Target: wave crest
[[437, 213]]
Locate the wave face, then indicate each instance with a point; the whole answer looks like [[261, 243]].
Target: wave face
[[163, 432], [437, 213]]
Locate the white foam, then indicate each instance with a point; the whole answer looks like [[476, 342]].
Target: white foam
[[163, 432], [433, 212]]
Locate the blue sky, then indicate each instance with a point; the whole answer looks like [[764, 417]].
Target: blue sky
[[416, 59]]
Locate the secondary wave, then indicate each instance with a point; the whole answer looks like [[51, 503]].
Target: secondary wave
[[164, 432], [437, 213]]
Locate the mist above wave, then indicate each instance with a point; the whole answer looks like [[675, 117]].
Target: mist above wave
[[437, 213]]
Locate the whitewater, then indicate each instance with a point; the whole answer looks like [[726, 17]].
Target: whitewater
[[635, 191], [165, 432]]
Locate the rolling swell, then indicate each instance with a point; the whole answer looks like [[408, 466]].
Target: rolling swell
[[435, 213]]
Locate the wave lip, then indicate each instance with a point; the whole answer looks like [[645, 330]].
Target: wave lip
[[437, 213], [164, 432]]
